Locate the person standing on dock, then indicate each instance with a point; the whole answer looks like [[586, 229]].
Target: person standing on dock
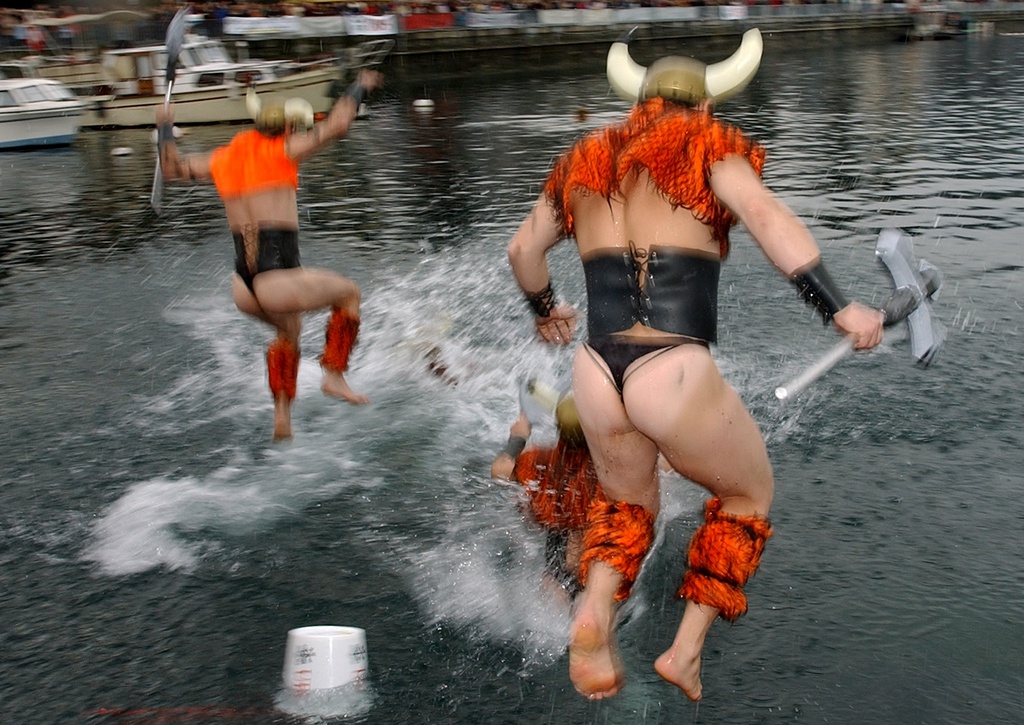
[[650, 202], [257, 175]]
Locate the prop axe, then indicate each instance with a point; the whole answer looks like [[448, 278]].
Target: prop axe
[[915, 289], [173, 42]]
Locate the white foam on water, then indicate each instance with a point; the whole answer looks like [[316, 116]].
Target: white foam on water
[[485, 579], [316, 706]]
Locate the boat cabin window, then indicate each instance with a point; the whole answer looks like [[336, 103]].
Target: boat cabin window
[[57, 93], [6, 100], [248, 77], [210, 79], [212, 54], [8, 72], [31, 94]]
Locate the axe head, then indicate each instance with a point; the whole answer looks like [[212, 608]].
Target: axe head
[[896, 251]]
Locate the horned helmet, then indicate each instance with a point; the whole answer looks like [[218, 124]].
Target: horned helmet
[[567, 420], [686, 80], [276, 114]]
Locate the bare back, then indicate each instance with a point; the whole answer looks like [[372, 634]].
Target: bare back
[[271, 208], [639, 214]]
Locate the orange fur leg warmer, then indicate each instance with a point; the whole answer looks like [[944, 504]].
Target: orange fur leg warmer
[[619, 534], [724, 553], [342, 331], [283, 367]]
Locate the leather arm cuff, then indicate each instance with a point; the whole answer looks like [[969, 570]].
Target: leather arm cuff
[[515, 446], [541, 302], [820, 292]]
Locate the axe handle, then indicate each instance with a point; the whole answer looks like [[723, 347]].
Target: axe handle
[[902, 302], [795, 386]]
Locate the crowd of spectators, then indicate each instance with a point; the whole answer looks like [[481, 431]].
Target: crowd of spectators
[[18, 28]]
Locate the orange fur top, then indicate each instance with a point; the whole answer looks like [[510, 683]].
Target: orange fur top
[[252, 162], [676, 145], [560, 484]]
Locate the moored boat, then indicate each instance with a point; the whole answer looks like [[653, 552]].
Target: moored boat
[[38, 112], [209, 86]]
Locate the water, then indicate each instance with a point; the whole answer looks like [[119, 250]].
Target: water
[[155, 548]]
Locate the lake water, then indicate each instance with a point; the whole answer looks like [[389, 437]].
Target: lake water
[[155, 547]]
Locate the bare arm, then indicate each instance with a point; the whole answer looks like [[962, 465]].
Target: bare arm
[[527, 253], [174, 166], [785, 239], [504, 465], [301, 146]]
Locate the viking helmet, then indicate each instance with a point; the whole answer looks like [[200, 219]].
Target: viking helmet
[[272, 117], [685, 80], [567, 418]]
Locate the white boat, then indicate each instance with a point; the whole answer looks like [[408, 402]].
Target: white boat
[[209, 86], [38, 112]]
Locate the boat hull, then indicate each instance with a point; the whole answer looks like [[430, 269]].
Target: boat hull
[[215, 104], [21, 128]]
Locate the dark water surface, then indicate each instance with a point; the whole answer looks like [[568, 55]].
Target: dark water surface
[[155, 547]]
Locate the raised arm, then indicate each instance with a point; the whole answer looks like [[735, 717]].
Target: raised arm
[[505, 463], [527, 253], [174, 166], [788, 244], [301, 146]]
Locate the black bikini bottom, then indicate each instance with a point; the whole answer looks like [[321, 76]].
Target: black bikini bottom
[[276, 249], [620, 355]]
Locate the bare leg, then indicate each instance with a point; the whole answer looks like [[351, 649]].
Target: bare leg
[[680, 663], [289, 327], [304, 290], [594, 666], [342, 330], [624, 461], [705, 432]]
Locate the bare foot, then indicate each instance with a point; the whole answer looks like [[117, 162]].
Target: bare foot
[[334, 385], [282, 418], [594, 666], [680, 663], [681, 669]]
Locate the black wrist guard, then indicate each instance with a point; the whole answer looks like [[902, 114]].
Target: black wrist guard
[[515, 446], [820, 292], [541, 302], [356, 92], [164, 133]]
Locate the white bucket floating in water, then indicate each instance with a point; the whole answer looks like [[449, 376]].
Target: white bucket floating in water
[[121, 151], [423, 104], [324, 657]]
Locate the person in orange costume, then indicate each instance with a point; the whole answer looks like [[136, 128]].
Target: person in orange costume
[[256, 175], [559, 483], [649, 202]]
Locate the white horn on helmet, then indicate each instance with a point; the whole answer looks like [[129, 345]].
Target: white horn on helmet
[[727, 78], [625, 76], [253, 103], [722, 80], [299, 112]]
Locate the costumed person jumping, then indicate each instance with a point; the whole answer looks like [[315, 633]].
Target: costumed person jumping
[[559, 483], [257, 177], [650, 202]]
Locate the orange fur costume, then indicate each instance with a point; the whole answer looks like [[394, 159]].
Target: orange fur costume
[[675, 144], [342, 333], [724, 553], [283, 368], [560, 484], [619, 534], [252, 162]]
